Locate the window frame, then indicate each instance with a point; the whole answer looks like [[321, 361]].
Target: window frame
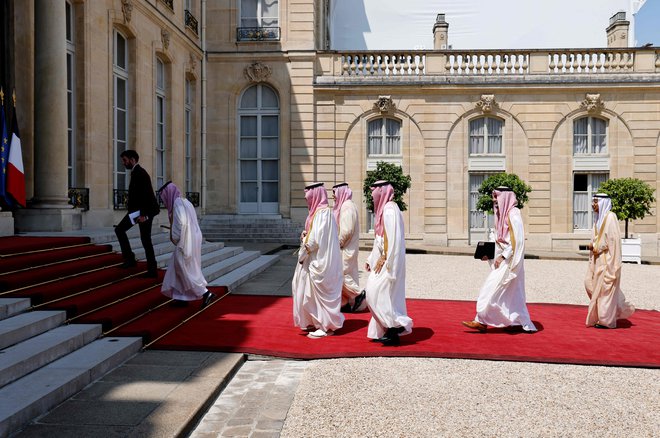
[[71, 93], [188, 132], [259, 18], [589, 195], [120, 73], [383, 138], [160, 122], [590, 136], [486, 136]]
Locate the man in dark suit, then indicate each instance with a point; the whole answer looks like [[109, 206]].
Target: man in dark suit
[[143, 206]]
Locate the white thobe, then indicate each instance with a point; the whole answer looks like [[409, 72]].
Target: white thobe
[[603, 279], [386, 290], [184, 279], [501, 301], [318, 279], [349, 243]]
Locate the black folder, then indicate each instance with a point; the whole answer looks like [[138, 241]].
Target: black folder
[[485, 249]]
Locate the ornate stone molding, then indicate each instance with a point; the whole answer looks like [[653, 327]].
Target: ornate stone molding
[[127, 10], [487, 103], [192, 61], [384, 104], [592, 103], [165, 38], [257, 72]]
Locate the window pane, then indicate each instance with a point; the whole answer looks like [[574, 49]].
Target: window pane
[[160, 74], [269, 192], [248, 170], [249, 192], [580, 135], [121, 126], [598, 136], [269, 126], [392, 139], [580, 182], [270, 148], [121, 93], [494, 136], [268, 98], [375, 130], [270, 170], [69, 21], [248, 126], [120, 61], [249, 99], [248, 148], [477, 136], [248, 8]]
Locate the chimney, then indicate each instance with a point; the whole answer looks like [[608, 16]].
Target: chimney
[[440, 33], [617, 31]]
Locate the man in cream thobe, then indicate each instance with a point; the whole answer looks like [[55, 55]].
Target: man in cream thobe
[[501, 301], [386, 284], [603, 279], [318, 278], [346, 216]]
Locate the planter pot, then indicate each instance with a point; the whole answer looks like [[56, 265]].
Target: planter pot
[[631, 250]]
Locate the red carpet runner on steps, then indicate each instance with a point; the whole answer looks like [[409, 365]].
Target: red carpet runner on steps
[[264, 325]]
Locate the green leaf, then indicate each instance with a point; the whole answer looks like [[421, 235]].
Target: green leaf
[[511, 180]]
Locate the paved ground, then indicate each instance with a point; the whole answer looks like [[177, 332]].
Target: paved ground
[[421, 397]]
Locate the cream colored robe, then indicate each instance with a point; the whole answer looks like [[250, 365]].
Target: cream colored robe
[[386, 291], [349, 243], [502, 301], [184, 279], [317, 280], [603, 279]]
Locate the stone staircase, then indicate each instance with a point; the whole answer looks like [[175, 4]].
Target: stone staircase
[[45, 359], [250, 228]]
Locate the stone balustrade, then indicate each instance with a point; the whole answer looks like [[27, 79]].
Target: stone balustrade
[[491, 62]]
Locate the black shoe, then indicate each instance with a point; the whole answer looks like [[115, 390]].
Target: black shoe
[[600, 326], [128, 264], [179, 303], [392, 332], [346, 308], [150, 274], [393, 340], [207, 298], [358, 301]]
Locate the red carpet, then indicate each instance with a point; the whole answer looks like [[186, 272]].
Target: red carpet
[[264, 325], [20, 244]]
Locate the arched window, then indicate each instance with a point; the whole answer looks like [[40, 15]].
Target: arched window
[[589, 136], [259, 150], [189, 93], [486, 136], [384, 138], [120, 106], [160, 94]]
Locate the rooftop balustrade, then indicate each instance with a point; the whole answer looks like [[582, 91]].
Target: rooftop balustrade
[[498, 63]]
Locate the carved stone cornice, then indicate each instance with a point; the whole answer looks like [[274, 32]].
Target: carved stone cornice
[[192, 62], [487, 103], [165, 38], [384, 104], [127, 10], [257, 72], [593, 103]]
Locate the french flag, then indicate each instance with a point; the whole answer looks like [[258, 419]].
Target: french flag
[[15, 184]]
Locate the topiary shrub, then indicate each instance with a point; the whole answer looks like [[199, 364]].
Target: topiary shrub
[[511, 180], [389, 172], [631, 198]]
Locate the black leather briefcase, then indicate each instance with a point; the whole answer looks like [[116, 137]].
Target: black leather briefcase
[[485, 249]]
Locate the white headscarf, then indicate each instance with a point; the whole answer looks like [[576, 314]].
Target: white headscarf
[[604, 206]]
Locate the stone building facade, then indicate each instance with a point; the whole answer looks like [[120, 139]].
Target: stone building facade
[[275, 109]]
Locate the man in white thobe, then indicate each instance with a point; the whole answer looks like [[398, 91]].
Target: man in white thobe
[[183, 280], [346, 216], [318, 278], [386, 284], [603, 279], [501, 301]]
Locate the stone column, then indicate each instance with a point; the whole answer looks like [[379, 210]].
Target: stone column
[[49, 209]]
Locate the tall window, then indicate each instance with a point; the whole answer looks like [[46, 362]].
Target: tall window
[[161, 173], [259, 13], [486, 136], [585, 185], [589, 136], [259, 150], [384, 137], [187, 116], [120, 107], [70, 95]]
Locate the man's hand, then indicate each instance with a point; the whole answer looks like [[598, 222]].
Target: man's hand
[[498, 261], [367, 267], [379, 264], [141, 219]]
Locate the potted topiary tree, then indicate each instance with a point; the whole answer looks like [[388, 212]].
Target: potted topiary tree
[[389, 172], [632, 199]]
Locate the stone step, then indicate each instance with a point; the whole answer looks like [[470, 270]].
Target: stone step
[[225, 266], [254, 235], [13, 306], [243, 273], [214, 227], [212, 252], [26, 325], [38, 392], [31, 354]]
